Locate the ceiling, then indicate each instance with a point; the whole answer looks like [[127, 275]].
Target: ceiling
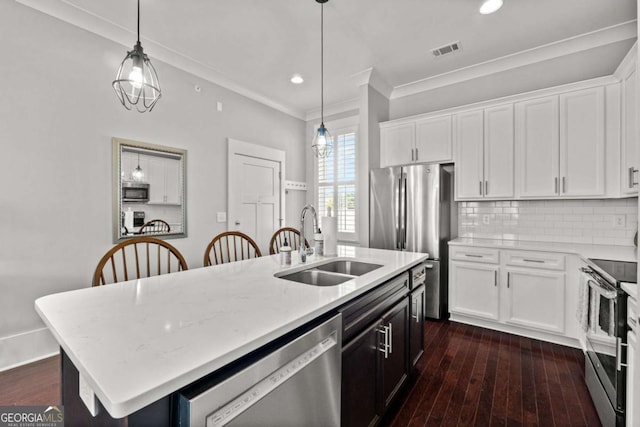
[[254, 46]]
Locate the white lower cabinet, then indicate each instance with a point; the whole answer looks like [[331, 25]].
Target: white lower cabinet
[[516, 291], [535, 299], [476, 289]]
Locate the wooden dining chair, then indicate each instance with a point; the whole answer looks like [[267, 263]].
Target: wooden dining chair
[[155, 226], [136, 258], [230, 246], [293, 238]]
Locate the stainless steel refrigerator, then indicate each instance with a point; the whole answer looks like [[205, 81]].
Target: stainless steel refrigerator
[[412, 209]]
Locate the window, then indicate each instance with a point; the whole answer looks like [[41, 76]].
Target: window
[[337, 181]]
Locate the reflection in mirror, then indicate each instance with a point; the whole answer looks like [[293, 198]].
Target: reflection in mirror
[[149, 190]]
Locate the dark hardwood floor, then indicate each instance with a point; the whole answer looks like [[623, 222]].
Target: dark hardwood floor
[[475, 376], [37, 383], [467, 376]]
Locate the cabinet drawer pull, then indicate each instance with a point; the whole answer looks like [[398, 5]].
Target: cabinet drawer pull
[[486, 188], [632, 177], [508, 279], [564, 184], [556, 184], [416, 154], [415, 315], [495, 278], [539, 261], [473, 256], [385, 344], [390, 338], [412, 155]]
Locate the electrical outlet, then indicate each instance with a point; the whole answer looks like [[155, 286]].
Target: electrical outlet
[[619, 221], [486, 219], [221, 216]]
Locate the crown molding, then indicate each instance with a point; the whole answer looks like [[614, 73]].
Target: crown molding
[[372, 77], [624, 31], [337, 108], [81, 18], [628, 63]]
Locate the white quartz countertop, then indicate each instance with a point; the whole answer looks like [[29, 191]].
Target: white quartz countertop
[[585, 251], [138, 341]]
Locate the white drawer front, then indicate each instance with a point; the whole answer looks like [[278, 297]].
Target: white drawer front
[[530, 259], [475, 254]]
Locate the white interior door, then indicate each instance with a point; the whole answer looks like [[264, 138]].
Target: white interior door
[[255, 191]]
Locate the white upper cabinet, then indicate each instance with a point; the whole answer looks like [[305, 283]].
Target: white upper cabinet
[[537, 142], [165, 184], [498, 151], [469, 165], [424, 140], [484, 158], [397, 142], [582, 143], [560, 145], [630, 164], [577, 141], [434, 140]]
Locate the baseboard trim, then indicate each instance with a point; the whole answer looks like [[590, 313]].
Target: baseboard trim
[[538, 335], [21, 349]]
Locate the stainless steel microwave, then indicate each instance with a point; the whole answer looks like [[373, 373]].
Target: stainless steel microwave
[[135, 192]]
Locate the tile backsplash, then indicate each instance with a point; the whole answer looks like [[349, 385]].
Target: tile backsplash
[[607, 222]]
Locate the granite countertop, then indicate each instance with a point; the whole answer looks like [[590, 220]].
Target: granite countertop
[[585, 251], [135, 342]]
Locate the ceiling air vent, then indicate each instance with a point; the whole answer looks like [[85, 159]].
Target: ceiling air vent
[[443, 50]]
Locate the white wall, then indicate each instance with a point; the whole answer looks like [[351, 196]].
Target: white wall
[[58, 113]]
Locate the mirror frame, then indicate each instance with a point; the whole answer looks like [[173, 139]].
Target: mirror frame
[[117, 146]]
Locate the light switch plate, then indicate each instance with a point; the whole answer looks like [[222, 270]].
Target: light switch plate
[[221, 217]]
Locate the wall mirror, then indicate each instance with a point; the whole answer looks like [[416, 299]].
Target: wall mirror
[[149, 190]]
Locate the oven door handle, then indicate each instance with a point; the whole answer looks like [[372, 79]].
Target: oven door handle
[[604, 289]]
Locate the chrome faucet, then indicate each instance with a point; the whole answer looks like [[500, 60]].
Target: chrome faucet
[[303, 249]]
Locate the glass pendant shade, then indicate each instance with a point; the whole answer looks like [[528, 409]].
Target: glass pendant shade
[[137, 174], [136, 83], [322, 145]]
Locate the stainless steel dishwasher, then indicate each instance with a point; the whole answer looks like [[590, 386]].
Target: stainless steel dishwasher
[[295, 384]]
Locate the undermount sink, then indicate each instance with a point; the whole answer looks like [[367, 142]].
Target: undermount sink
[[332, 273], [317, 278], [352, 268]]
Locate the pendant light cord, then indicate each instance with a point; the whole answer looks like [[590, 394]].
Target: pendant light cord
[[138, 21], [321, 63]]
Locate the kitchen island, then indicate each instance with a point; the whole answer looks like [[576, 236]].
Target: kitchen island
[[134, 343]]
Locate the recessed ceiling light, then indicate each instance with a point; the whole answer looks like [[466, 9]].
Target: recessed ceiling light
[[490, 6], [296, 79]]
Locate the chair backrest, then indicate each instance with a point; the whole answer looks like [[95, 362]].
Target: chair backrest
[[230, 246], [155, 226], [293, 238], [136, 258]]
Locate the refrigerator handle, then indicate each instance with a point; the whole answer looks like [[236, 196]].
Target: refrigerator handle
[[404, 211], [399, 212]]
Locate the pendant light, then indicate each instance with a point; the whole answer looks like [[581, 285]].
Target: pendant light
[[322, 145], [136, 83], [137, 174]]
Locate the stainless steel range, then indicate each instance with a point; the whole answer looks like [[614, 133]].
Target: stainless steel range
[[606, 337]]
